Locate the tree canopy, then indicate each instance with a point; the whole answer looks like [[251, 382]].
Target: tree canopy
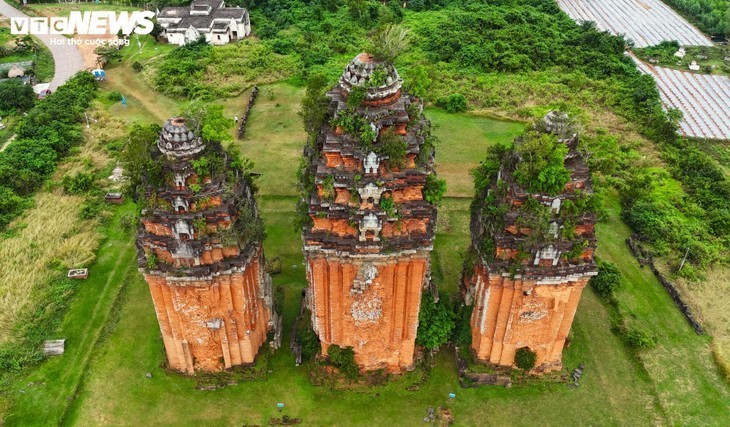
[[15, 96], [541, 165]]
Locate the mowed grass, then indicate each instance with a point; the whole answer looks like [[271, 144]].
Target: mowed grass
[[144, 105], [274, 137], [464, 141], [688, 385]]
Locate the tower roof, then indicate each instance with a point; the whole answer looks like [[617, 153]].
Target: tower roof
[[360, 72], [177, 140]]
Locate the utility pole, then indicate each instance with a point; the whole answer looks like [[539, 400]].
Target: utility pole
[[683, 260]]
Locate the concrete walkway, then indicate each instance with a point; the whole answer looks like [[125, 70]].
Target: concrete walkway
[[67, 58]]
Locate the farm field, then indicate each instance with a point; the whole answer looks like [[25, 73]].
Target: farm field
[[703, 99], [646, 22]]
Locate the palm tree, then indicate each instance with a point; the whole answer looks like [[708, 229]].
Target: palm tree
[[389, 42]]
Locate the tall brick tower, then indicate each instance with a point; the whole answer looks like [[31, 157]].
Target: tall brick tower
[[532, 251], [201, 254], [371, 228]]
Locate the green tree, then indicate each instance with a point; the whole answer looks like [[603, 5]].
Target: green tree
[[416, 81], [136, 158], [15, 96], [107, 53], [314, 105], [436, 322], [209, 121], [10, 205], [608, 278], [541, 168]]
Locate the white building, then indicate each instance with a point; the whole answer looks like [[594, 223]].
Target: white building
[[209, 18]]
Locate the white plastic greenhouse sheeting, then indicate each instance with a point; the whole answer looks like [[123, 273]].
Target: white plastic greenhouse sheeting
[[646, 22], [703, 99]]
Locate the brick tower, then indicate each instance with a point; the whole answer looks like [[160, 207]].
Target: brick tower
[[371, 229], [201, 254], [532, 253]]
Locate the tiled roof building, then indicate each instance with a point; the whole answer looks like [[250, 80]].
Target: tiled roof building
[[208, 18]]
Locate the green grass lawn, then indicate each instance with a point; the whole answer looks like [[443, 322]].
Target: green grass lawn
[[148, 50], [688, 385], [274, 137], [143, 104], [114, 338], [464, 142]]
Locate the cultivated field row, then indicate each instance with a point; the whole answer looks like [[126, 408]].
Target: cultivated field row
[[646, 22], [703, 99]]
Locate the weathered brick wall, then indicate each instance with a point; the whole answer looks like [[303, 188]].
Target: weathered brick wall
[[513, 313], [378, 320], [211, 324]]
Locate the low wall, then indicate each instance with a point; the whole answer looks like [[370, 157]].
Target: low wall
[[644, 259], [244, 119]]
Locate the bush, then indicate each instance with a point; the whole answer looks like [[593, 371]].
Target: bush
[[542, 166], [455, 103], [114, 96], [136, 66], [607, 280], [525, 358], [10, 205], [636, 338], [462, 331], [81, 183], [344, 360], [90, 209], [434, 190], [356, 96], [307, 338], [273, 266], [393, 146], [436, 322], [128, 221], [15, 96]]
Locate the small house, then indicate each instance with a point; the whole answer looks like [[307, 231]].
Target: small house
[[209, 18]]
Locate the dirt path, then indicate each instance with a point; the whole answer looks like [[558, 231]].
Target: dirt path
[[7, 143], [123, 79]]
